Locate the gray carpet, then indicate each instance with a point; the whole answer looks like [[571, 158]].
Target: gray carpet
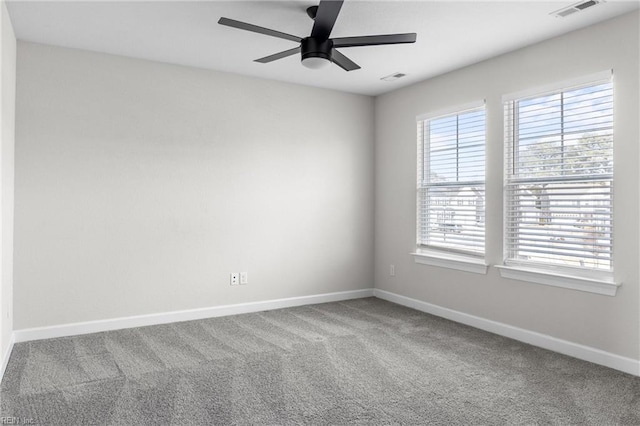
[[363, 361]]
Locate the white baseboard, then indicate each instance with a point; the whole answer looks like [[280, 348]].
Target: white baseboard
[[597, 356], [75, 329], [6, 356], [586, 353]]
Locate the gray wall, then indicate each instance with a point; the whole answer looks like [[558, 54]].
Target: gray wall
[[7, 138], [140, 186], [608, 323]]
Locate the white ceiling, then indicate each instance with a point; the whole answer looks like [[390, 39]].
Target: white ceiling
[[451, 34]]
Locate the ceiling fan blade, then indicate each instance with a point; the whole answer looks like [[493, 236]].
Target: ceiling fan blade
[[374, 40], [342, 61], [277, 56], [325, 18], [256, 29]]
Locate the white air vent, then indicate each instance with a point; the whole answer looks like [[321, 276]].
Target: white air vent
[[393, 77], [575, 8]]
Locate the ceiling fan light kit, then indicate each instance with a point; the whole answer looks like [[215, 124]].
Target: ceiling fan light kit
[[318, 50], [316, 53]]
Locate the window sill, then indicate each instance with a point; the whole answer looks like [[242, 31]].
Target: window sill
[[451, 261], [603, 286]]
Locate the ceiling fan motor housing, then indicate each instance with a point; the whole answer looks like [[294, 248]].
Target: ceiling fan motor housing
[[314, 48]]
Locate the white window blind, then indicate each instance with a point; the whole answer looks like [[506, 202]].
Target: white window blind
[[451, 180], [559, 176]]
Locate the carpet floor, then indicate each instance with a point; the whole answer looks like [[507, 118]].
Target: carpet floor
[[364, 361]]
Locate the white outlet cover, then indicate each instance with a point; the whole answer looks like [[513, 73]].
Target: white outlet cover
[[234, 279], [244, 278]]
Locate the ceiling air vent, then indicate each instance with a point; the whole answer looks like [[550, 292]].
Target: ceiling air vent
[[393, 77], [575, 8]]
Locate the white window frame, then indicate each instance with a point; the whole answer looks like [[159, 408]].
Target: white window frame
[[434, 255], [583, 279]]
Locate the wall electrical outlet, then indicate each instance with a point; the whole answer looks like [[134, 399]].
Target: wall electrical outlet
[[392, 270], [244, 278], [235, 278]]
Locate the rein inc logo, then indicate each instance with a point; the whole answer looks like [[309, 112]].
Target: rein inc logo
[[16, 421]]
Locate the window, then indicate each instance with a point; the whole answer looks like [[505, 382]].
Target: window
[[559, 176], [451, 180]]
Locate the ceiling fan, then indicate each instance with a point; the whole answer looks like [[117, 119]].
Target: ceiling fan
[[318, 50]]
